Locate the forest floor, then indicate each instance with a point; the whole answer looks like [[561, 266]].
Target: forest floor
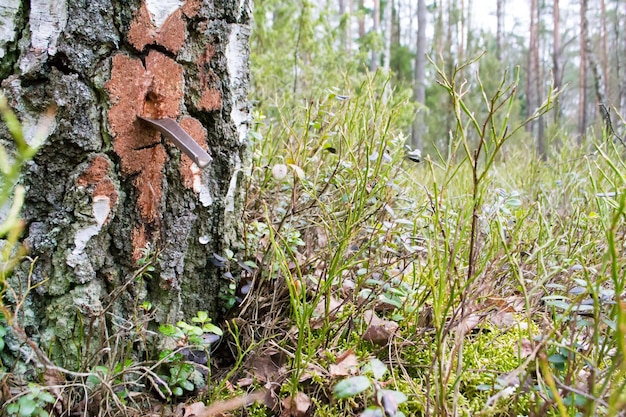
[[487, 282], [481, 281]]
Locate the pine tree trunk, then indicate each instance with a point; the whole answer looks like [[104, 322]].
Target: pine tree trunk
[[106, 186], [499, 28], [596, 70], [361, 20], [533, 54], [539, 76]]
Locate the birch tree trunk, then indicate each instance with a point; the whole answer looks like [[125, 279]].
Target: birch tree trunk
[[106, 187], [374, 56], [622, 51], [419, 81], [388, 28], [582, 76], [556, 56]]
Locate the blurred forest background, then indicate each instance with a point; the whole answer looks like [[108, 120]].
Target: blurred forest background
[[577, 46]]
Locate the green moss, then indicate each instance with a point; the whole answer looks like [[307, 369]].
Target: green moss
[[488, 355], [69, 319]]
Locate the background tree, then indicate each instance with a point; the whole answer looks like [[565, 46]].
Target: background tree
[[556, 55], [532, 67], [621, 47], [582, 74], [106, 192], [419, 89], [374, 60], [499, 28]]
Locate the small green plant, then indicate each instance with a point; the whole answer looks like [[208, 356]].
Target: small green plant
[[202, 333], [33, 403], [385, 402], [178, 380], [193, 340]]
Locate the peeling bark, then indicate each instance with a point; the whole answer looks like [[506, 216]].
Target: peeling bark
[[105, 185]]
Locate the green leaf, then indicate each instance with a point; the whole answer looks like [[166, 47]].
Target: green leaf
[[563, 305], [177, 391], [557, 358], [183, 325], [13, 408], [212, 328], [195, 330], [171, 331], [514, 202], [45, 396], [187, 385], [351, 386], [378, 368], [372, 411], [27, 406], [201, 317], [394, 301], [251, 264], [558, 361]]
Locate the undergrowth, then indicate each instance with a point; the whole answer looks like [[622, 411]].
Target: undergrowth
[[487, 281], [480, 282]]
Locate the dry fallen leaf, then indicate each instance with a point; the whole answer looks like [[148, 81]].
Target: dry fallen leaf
[[502, 319], [466, 325], [378, 331], [245, 382], [312, 370], [218, 408], [526, 348], [297, 406], [193, 410], [267, 365], [347, 364], [319, 314], [54, 380]]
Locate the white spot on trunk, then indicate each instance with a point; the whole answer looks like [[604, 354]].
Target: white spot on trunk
[[236, 56], [200, 188], [35, 129], [160, 10], [47, 20], [8, 13], [229, 200], [100, 210]]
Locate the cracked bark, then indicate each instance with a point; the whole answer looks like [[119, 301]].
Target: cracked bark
[[104, 186]]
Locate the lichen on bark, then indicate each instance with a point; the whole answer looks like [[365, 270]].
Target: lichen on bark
[[104, 185]]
